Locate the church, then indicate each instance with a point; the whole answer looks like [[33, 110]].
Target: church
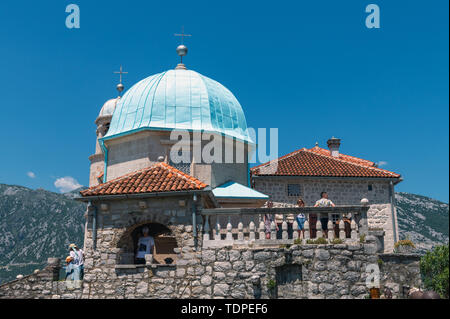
[[210, 222]]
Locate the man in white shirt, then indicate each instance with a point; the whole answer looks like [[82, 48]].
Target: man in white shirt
[[144, 246], [324, 202]]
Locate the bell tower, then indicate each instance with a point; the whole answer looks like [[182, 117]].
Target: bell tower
[[103, 122]]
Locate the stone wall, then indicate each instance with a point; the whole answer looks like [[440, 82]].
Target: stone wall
[[341, 192], [400, 272], [42, 284], [299, 271]]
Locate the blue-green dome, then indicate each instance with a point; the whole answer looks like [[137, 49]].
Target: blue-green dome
[[179, 99]]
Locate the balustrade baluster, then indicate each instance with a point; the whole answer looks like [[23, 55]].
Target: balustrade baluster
[[306, 226], [295, 230], [217, 235], [273, 230], [354, 227], [319, 228], [229, 229], [240, 231], [206, 229], [342, 229], [284, 234], [251, 227], [330, 227], [262, 233]]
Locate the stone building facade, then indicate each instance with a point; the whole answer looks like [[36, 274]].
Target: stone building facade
[[345, 178], [381, 216]]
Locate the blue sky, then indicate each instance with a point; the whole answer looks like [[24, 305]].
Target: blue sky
[[310, 68]]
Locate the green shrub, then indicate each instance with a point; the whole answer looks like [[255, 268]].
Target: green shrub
[[337, 241], [362, 238], [318, 241], [434, 270], [297, 241], [405, 242], [271, 284]]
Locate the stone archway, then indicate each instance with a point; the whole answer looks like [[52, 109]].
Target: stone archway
[[165, 242]]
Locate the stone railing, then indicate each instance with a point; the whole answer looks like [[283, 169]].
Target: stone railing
[[244, 226]]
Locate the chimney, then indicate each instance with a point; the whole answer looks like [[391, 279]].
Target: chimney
[[333, 145]]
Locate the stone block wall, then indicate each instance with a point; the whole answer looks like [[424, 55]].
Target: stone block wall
[[341, 192], [400, 272], [298, 271], [43, 284]]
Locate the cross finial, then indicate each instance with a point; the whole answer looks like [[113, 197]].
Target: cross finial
[[121, 72], [182, 35], [182, 49], [120, 86]]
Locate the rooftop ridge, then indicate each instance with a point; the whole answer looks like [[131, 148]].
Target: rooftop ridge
[[343, 155], [352, 163], [115, 184]]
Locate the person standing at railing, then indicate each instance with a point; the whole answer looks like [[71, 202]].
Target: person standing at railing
[[324, 202], [268, 221], [279, 223], [301, 218]]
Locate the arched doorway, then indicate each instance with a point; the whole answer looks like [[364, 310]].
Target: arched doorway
[[163, 250]]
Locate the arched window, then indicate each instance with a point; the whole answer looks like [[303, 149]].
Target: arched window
[[162, 251]]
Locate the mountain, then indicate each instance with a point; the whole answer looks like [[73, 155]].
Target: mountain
[[423, 220], [37, 224]]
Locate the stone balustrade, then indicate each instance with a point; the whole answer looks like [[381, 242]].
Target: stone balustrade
[[245, 226]]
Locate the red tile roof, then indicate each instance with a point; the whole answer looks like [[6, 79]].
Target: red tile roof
[[319, 162], [160, 177], [351, 159]]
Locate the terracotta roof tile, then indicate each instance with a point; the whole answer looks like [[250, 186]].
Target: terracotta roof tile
[[351, 159], [160, 177], [319, 162]]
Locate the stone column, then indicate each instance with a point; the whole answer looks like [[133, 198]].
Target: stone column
[[54, 264]]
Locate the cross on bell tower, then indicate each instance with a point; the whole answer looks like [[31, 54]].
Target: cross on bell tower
[[182, 49], [120, 86]]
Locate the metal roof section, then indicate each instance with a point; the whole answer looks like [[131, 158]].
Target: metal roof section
[[179, 99], [235, 190]]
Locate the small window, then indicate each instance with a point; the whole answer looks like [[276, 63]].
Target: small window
[[370, 187], [293, 190]]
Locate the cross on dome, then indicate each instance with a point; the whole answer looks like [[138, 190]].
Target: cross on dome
[[182, 49], [120, 86], [182, 35]]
